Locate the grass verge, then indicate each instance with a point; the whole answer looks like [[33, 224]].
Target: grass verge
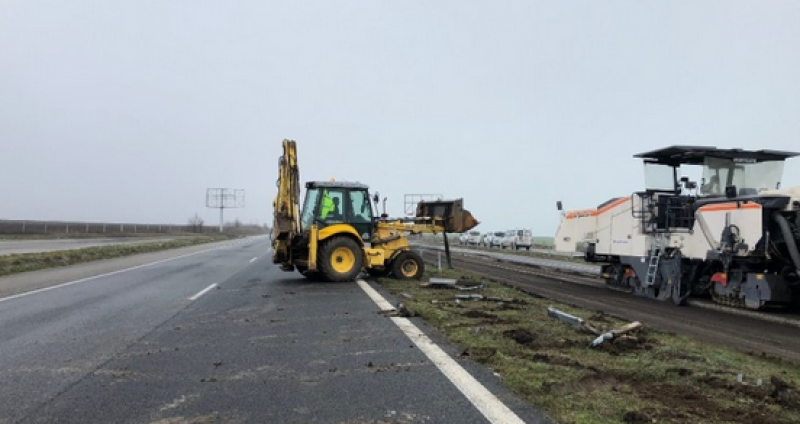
[[649, 376], [13, 264]]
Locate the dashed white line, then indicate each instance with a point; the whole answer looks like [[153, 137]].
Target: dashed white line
[[487, 403], [253, 260], [204, 291]]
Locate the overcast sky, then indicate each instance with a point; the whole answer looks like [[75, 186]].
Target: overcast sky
[[128, 111]]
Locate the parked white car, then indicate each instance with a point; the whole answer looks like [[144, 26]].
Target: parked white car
[[462, 238], [521, 239], [497, 239], [474, 238], [507, 242], [487, 239]]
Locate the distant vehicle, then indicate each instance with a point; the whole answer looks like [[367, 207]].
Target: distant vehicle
[[487, 238], [497, 239], [521, 239], [508, 239], [462, 238], [474, 238]]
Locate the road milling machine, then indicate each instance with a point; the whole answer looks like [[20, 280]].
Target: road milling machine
[[732, 236], [337, 234]]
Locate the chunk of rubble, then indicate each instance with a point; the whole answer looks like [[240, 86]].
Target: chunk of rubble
[[602, 336]]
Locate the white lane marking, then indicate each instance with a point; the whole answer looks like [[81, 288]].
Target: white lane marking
[[120, 271], [253, 260], [375, 296], [202, 292], [487, 403]]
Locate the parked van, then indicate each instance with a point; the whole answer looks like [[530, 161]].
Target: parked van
[[522, 239], [497, 239], [474, 238], [487, 238], [508, 239]]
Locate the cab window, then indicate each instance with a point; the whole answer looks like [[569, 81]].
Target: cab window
[[360, 206], [309, 208], [331, 205]]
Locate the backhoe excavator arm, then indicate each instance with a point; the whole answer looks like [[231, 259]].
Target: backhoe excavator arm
[[286, 224]]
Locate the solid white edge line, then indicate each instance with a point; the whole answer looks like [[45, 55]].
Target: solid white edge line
[[202, 292], [119, 271], [485, 401]]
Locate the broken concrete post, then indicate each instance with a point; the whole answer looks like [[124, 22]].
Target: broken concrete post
[[565, 317], [611, 335], [469, 297]]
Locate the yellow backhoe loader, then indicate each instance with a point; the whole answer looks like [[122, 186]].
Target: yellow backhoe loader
[[337, 233]]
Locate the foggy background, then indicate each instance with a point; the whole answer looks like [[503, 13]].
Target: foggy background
[[128, 111]]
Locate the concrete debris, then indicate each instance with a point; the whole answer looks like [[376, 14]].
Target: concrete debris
[[470, 288], [565, 317], [440, 282], [452, 283], [485, 298], [611, 335], [470, 297], [580, 324], [401, 311], [740, 378]]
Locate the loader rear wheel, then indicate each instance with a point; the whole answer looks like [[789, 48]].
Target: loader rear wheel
[[341, 259], [408, 266], [315, 276]]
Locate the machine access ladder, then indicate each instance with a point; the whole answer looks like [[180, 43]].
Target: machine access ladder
[[660, 242]]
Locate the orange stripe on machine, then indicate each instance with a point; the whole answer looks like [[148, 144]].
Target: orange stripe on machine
[[728, 207], [594, 212]]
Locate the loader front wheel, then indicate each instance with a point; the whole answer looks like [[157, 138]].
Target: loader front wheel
[[341, 259], [408, 266]]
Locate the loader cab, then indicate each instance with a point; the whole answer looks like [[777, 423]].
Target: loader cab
[[328, 203]]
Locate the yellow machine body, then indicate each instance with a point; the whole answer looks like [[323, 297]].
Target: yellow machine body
[[322, 241]]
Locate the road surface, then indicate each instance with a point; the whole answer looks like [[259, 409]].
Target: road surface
[[217, 334]]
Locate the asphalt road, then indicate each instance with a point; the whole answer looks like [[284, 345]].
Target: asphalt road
[[153, 344], [9, 247]]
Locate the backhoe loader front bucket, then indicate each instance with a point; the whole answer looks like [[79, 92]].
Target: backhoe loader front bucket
[[454, 217]]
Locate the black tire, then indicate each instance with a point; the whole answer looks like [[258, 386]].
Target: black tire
[[408, 266], [315, 276], [379, 272], [310, 275], [334, 254]]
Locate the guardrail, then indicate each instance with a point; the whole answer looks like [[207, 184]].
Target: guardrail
[[75, 227]]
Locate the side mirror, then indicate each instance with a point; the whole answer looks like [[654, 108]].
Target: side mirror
[[730, 192], [559, 206], [376, 197]]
